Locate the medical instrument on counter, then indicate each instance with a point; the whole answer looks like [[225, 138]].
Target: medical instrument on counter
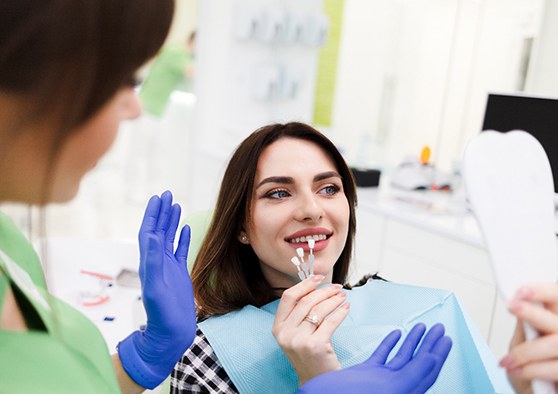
[[128, 278], [301, 274], [94, 287], [425, 155], [509, 184]]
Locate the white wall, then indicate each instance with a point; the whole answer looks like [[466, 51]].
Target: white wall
[[228, 106], [416, 72], [389, 68], [543, 75], [493, 64], [185, 20], [410, 73]]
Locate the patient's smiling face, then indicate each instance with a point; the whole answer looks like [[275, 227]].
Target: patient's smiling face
[[298, 193]]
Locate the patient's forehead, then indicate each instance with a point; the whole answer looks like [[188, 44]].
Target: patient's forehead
[[293, 157]]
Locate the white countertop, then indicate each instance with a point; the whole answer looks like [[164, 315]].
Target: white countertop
[[440, 212], [122, 312], [445, 213]]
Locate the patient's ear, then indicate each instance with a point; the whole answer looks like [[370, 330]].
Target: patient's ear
[[243, 238]]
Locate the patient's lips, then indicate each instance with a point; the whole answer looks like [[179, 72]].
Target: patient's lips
[[319, 235]]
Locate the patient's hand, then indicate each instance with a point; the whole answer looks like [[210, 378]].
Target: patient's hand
[[536, 359], [307, 344]]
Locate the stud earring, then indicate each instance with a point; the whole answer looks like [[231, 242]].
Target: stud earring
[[244, 238]]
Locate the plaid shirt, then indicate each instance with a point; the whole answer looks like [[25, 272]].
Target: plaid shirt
[[199, 371]]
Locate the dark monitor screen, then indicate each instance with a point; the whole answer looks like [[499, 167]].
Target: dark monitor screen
[[536, 115]]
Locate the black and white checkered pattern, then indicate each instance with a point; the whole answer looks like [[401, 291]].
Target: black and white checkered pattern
[[199, 371]]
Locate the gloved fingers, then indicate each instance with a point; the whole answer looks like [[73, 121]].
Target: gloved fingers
[[431, 338], [439, 353], [151, 216], [148, 224], [407, 349], [419, 374], [173, 226], [436, 344], [442, 348], [183, 245], [383, 350], [153, 261], [143, 245], [164, 212]]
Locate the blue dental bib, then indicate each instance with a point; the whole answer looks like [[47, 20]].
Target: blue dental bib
[[254, 361]]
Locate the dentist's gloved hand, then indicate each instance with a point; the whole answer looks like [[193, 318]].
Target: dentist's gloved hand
[[149, 356], [407, 372]]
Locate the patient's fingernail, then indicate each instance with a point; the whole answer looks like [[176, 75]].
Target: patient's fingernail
[[524, 293], [317, 278], [506, 361], [514, 306]]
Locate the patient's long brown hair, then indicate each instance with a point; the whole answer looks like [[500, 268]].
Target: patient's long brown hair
[[226, 275]]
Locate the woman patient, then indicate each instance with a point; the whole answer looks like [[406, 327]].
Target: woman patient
[[268, 280]]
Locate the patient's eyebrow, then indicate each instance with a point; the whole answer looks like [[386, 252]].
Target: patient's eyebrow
[[276, 179], [287, 180], [326, 175]]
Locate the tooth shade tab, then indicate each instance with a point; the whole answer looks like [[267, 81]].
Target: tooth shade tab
[[311, 243], [320, 237], [301, 274], [300, 252], [311, 262]]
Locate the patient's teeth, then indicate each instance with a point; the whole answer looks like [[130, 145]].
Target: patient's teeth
[[307, 238]]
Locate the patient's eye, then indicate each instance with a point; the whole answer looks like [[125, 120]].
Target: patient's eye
[[330, 190], [277, 194]]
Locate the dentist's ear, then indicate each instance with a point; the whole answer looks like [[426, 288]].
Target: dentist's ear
[[243, 238]]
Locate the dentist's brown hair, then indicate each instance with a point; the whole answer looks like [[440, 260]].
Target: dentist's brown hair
[[61, 61]]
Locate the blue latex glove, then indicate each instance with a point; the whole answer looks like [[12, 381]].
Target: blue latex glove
[[149, 356], [407, 372]]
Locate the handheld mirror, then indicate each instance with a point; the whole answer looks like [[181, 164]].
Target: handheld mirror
[[509, 184]]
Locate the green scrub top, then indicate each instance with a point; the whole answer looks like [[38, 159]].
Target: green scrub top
[[62, 352], [164, 76]]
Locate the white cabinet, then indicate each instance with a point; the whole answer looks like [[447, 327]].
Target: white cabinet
[[423, 246], [370, 238], [415, 256]]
